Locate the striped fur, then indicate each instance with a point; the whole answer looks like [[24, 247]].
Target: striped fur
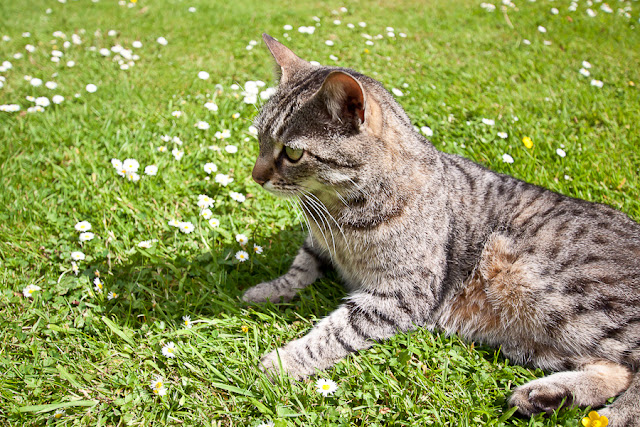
[[427, 239]]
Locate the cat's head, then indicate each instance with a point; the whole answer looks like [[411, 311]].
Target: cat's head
[[325, 128]]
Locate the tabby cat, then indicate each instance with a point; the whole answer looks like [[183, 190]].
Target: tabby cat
[[429, 239]]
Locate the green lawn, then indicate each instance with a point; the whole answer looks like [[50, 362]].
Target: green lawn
[[70, 347]]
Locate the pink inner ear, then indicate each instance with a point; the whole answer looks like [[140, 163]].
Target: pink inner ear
[[346, 94]]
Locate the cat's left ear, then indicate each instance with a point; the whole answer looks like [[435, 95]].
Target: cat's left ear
[[344, 97]]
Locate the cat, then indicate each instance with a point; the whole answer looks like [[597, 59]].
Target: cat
[[423, 238]]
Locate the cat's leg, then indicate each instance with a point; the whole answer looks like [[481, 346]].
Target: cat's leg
[[354, 326], [625, 410], [305, 269], [591, 386]]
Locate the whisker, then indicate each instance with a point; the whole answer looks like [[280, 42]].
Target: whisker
[[315, 209], [322, 205], [323, 217]]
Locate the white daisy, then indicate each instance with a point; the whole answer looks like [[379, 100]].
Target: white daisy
[[137, 44], [257, 249], [169, 350], [162, 148], [488, 122], [503, 135], [83, 226], [586, 64], [29, 290], [214, 222], [186, 227], [112, 295], [203, 75], [507, 158], [133, 176], [186, 321], [151, 170], [231, 149], [91, 88], [585, 72], [226, 133], [223, 179], [242, 256], [238, 197], [242, 239], [426, 130], [57, 99], [205, 201], [211, 106], [51, 85], [131, 165], [85, 237], [326, 387], [162, 41], [42, 101], [597, 83], [74, 268], [202, 125], [206, 213], [177, 154], [397, 92], [145, 244], [542, 29], [210, 168], [560, 152], [59, 414], [177, 114], [99, 286], [176, 140]]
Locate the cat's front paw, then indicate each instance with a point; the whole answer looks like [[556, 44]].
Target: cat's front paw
[[540, 396], [619, 417], [279, 361], [268, 291]]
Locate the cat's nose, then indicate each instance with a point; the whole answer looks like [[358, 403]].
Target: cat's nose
[[261, 172]]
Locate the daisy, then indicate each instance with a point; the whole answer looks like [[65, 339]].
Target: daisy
[[162, 149], [586, 64], [71, 64], [203, 75], [210, 168], [426, 130], [488, 122], [507, 158], [223, 179], [74, 268], [30, 48], [585, 72], [176, 140], [397, 92], [86, 236], [112, 295], [83, 226], [177, 114], [222, 135], [133, 176], [151, 170], [51, 85], [205, 201], [145, 244], [214, 222], [169, 350], [242, 239], [202, 125], [503, 135], [59, 414], [91, 88], [211, 106], [177, 153], [29, 290], [131, 165], [157, 383], [542, 29], [329, 43], [186, 227], [57, 99], [326, 387], [242, 256], [206, 213], [165, 138], [162, 41], [257, 249], [186, 320], [137, 44], [597, 83], [99, 286], [42, 101], [238, 197], [591, 13], [231, 149], [560, 152]]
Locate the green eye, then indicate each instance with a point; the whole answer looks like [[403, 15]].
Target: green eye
[[294, 154]]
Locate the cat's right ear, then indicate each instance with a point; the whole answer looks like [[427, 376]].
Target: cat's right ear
[[344, 97], [288, 61]]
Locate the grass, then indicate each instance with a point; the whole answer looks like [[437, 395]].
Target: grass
[[73, 349]]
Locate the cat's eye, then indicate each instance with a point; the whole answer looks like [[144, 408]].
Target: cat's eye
[[294, 154]]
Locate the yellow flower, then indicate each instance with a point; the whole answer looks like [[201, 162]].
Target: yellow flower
[[244, 328], [527, 142], [595, 420], [134, 1], [366, 51]]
